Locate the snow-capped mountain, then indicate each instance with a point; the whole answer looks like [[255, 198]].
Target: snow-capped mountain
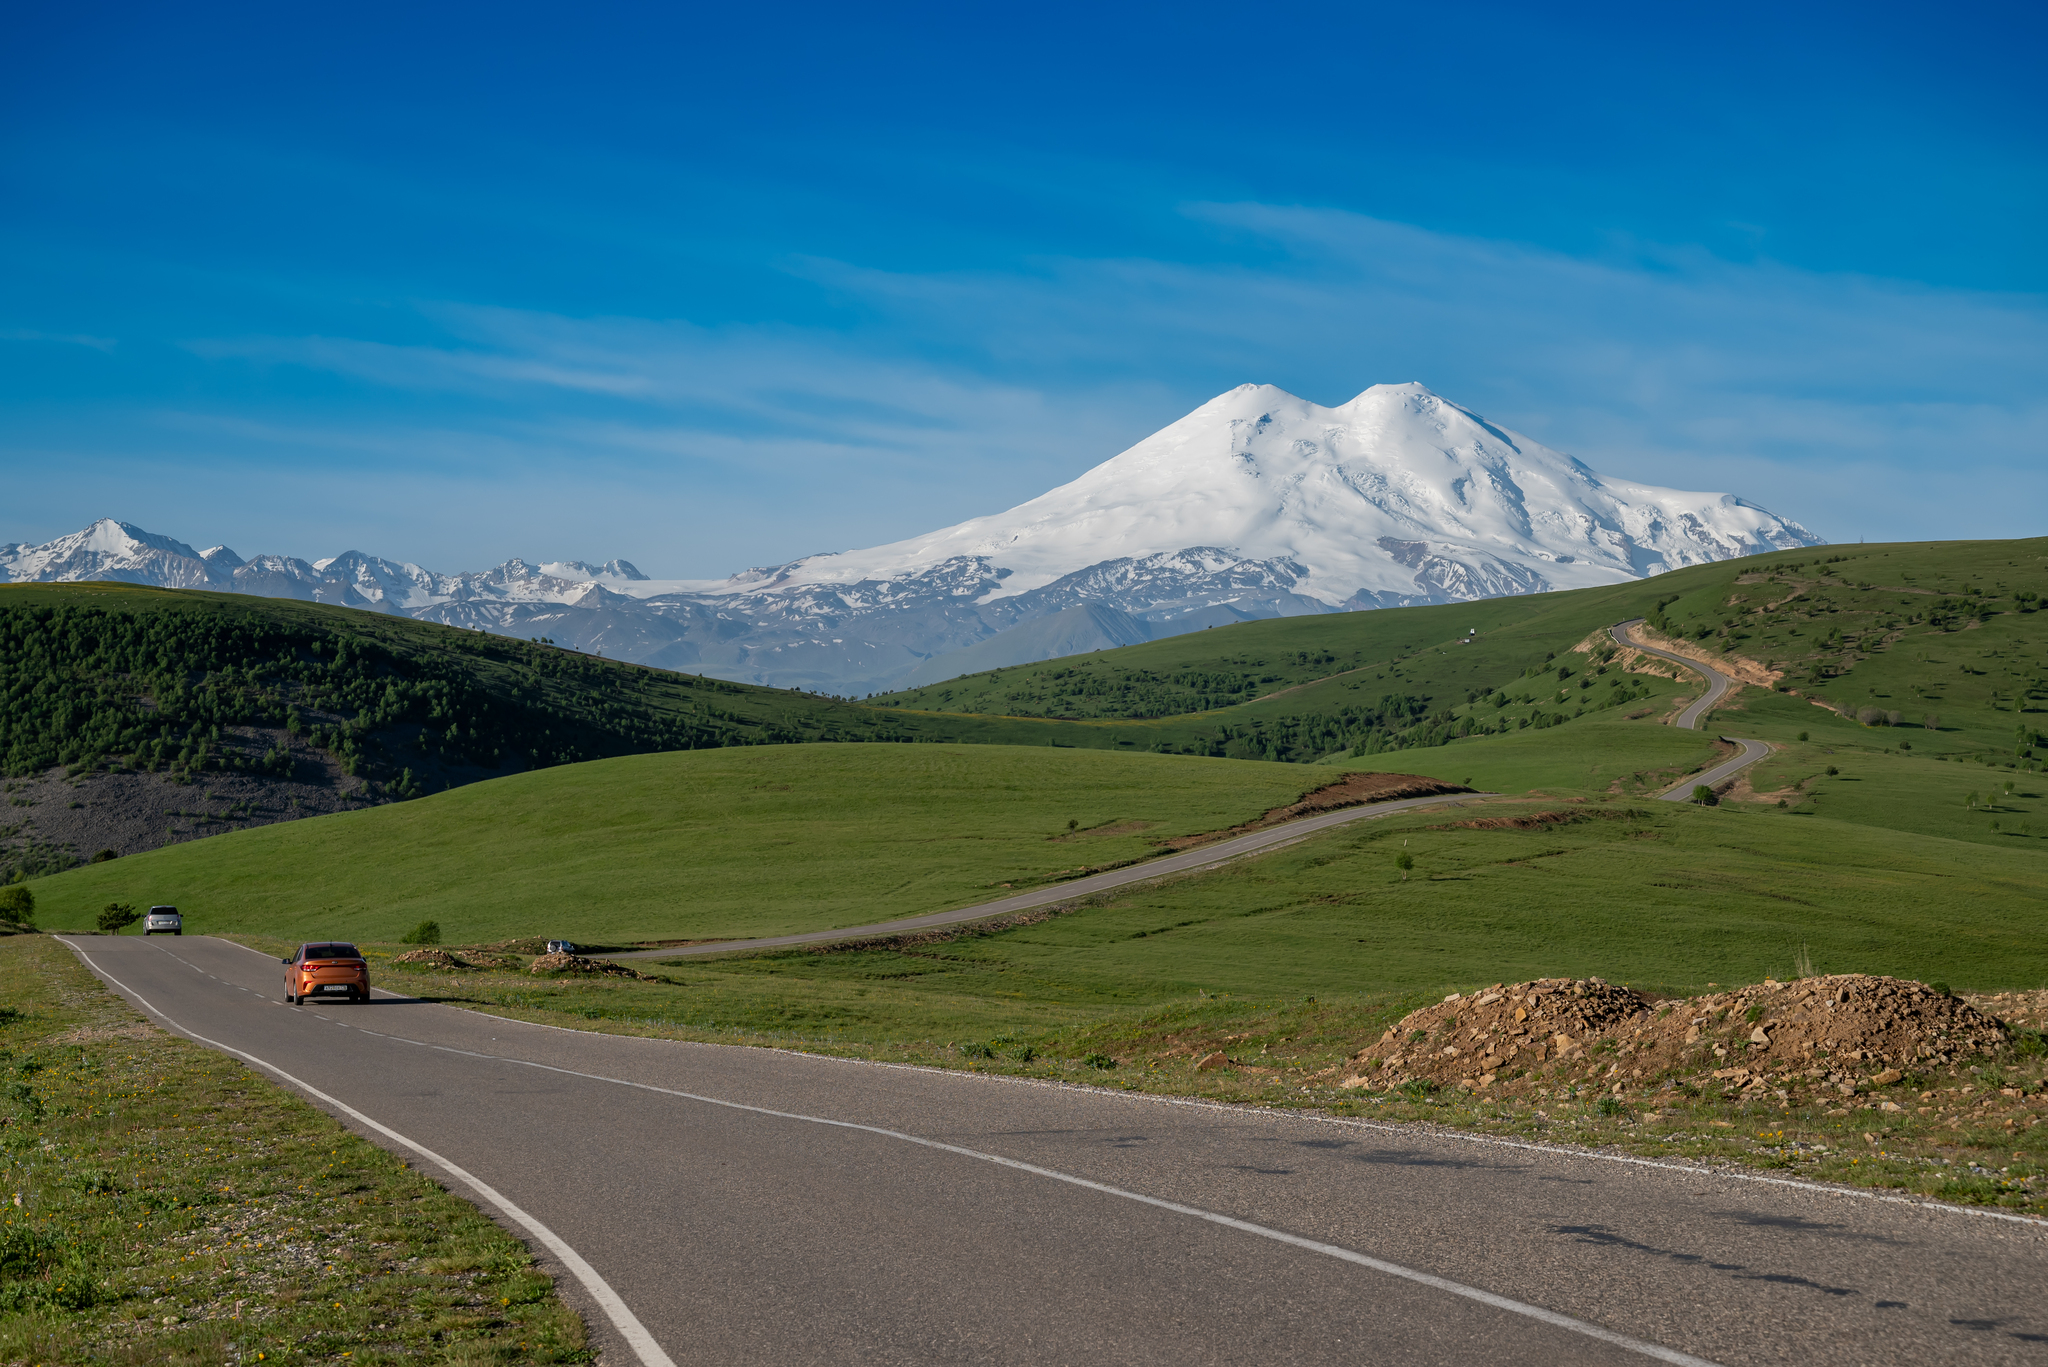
[[1257, 504]]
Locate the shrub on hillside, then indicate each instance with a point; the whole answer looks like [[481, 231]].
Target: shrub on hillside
[[18, 904], [116, 917], [425, 933]]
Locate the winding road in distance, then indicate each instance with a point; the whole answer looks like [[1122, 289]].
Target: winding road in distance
[[726, 1205], [1719, 686], [1206, 856]]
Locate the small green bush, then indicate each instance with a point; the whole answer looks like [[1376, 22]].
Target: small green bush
[[1099, 1061], [116, 917], [1610, 1105], [425, 933], [18, 904]]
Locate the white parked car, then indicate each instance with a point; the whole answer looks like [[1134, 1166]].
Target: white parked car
[[561, 947], [165, 919]]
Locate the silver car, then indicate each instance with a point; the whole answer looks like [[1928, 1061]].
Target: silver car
[[165, 919]]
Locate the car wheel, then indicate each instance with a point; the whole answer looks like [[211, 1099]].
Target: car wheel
[[177, 932]]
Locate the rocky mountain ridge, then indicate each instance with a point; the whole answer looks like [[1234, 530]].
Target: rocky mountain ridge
[[1257, 504]]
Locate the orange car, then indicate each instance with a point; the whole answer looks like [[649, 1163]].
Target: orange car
[[326, 966]]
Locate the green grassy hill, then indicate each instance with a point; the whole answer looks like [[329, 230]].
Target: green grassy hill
[[1947, 629], [734, 842], [1915, 833]]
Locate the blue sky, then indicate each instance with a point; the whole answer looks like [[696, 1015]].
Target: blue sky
[[715, 288]]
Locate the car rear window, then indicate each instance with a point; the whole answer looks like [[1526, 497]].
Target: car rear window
[[333, 951]]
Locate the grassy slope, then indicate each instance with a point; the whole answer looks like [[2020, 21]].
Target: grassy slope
[[1668, 897], [754, 840], [171, 1207], [1840, 602], [674, 846]]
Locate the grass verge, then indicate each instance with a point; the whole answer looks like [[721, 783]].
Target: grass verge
[[166, 1205]]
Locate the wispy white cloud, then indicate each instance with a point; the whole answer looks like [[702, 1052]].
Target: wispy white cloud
[[1858, 406], [61, 338]]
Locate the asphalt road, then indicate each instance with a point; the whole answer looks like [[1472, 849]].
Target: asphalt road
[[1207, 856], [1719, 685], [731, 1205]]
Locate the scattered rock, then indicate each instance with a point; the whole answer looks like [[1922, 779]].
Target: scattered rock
[[429, 957], [453, 961], [576, 963], [1830, 1035], [1209, 1063]]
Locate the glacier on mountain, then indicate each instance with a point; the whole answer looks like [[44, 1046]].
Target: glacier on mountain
[[1257, 504]]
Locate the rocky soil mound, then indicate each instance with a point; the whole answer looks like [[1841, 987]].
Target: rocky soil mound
[[432, 956], [1830, 1037], [429, 958], [577, 964]]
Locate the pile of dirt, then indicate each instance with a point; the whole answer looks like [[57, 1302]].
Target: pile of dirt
[[1478, 1036], [433, 956], [1536, 820], [532, 944], [429, 957], [2028, 1010], [1352, 790], [576, 963], [1829, 1036]]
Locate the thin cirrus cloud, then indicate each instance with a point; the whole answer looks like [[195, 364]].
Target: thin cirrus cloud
[[61, 338], [948, 394]]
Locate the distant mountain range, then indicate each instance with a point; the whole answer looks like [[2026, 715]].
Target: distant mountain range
[[1257, 504]]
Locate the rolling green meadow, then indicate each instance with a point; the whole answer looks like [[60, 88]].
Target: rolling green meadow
[[1899, 827], [744, 841], [1924, 840]]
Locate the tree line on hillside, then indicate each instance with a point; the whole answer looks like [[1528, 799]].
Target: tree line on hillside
[[89, 687], [1092, 689], [1410, 721]]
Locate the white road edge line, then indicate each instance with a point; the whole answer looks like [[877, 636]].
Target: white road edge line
[[1346, 1122], [1535, 1312], [652, 1353], [1384, 1127], [623, 1319]]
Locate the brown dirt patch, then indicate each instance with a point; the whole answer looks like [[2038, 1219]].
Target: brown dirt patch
[[1829, 1038], [531, 944], [432, 956], [1533, 821], [429, 958], [577, 964], [1740, 667], [1352, 790]]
